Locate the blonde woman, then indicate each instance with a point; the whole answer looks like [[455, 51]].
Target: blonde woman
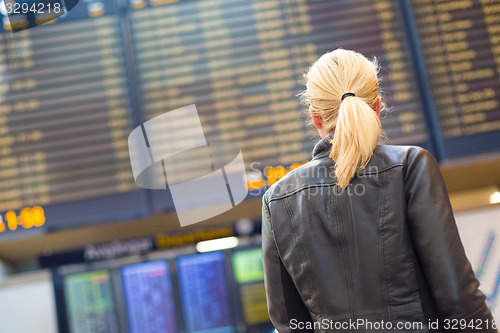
[[362, 238]]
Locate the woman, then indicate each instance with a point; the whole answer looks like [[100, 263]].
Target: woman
[[362, 238]]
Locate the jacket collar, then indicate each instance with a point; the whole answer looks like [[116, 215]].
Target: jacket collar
[[323, 147]]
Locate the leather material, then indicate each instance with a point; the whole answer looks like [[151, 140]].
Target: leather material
[[385, 249]]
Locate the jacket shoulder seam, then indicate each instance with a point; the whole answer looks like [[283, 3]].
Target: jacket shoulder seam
[[411, 157], [279, 197], [383, 170]]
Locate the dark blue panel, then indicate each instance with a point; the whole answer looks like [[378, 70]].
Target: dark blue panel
[[66, 114], [457, 59], [148, 294], [241, 61], [204, 293]]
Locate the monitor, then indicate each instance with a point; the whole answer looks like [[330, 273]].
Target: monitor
[[204, 293], [90, 302], [148, 296]]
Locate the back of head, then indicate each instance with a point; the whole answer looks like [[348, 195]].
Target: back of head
[[355, 125]]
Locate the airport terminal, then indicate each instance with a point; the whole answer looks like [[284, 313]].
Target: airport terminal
[[138, 137]]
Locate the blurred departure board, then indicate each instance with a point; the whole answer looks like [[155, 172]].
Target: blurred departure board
[[459, 41], [71, 91], [254, 303], [90, 302], [249, 274], [65, 116], [247, 266], [148, 294], [204, 293], [240, 62]]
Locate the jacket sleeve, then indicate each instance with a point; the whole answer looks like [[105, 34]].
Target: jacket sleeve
[[286, 309], [439, 249]]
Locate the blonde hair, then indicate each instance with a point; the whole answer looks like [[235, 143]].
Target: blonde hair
[[355, 125]]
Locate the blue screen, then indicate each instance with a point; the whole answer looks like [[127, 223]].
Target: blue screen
[[148, 296], [204, 294]]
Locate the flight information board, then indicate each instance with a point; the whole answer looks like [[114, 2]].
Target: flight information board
[[459, 42], [71, 91], [204, 293], [241, 61], [65, 116], [247, 266], [148, 295], [249, 274], [90, 302]]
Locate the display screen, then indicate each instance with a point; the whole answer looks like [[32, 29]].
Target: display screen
[[247, 266], [459, 42], [71, 91], [90, 303], [65, 115], [241, 62], [204, 293], [148, 295], [254, 303], [249, 273]]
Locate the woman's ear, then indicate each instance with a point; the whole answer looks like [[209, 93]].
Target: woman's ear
[[316, 119], [378, 106]]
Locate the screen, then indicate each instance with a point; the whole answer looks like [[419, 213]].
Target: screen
[[204, 294], [71, 91], [247, 266], [65, 116], [149, 299], [241, 61], [249, 273], [254, 303], [459, 42], [90, 303]]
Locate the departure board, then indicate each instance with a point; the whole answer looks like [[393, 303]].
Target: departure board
[[249, 274], [149, 299], [247, 266], [65, 116], [71, 91], [241, 63], [90, 302], [459, 42], [204, 293]]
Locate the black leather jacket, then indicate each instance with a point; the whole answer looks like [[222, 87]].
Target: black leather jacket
[[383, 255]]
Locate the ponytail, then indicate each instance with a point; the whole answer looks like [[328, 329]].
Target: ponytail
[[355, 138], [342, 88]]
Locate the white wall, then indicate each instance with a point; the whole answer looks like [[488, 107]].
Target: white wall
[[27, 304], [477, 229]]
